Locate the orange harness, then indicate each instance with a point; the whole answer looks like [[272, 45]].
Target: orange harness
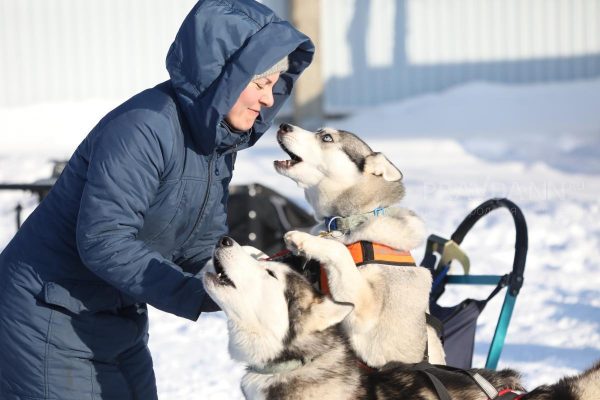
[[364, 252]]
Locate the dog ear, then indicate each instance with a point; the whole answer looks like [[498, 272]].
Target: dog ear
[[328, 313], [377, 164]]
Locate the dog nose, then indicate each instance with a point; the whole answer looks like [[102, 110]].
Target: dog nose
[[226, 241], [286, 128]]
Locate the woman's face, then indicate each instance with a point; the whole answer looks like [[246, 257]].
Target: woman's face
[[258, 94]]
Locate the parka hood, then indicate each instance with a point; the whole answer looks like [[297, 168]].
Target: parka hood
[[219, 47]]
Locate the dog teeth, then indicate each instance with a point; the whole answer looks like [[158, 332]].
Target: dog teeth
[[284, 163]]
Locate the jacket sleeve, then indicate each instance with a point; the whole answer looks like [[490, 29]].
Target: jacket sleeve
[[126, 159]]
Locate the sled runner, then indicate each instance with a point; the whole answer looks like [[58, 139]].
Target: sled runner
[[459, 322]]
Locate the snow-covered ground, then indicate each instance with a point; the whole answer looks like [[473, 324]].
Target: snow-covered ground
[[537, 145]]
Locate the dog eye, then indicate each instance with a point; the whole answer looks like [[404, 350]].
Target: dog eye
[[327, 138], [271, 273]]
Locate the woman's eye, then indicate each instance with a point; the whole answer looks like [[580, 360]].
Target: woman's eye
[[271, 273], [259, 86], [327, 138]]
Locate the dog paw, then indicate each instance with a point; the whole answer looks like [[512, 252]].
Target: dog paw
[[295, 241], [314, 247]]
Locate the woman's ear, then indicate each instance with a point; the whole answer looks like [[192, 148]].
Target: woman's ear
[[377, 164]]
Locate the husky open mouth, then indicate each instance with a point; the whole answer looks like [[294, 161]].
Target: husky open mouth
[[294, 158], [222, 277]]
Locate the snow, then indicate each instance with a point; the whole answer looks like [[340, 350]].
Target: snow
[[538, 145]]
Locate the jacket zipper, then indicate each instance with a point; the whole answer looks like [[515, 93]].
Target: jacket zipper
[[205, 201], [216, 155]]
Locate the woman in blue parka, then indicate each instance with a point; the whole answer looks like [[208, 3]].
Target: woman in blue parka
[[136, 212]]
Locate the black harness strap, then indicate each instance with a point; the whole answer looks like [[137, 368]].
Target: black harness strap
[[437, 384], [429, 370], [483, 384], [367, 250], [435, 324], [425, 368]]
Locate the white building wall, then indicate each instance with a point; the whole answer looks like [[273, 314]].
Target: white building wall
[[56, 50], [373, 51], [384, 50]]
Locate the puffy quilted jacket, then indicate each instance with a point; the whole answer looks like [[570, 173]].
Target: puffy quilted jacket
[[137, 210]]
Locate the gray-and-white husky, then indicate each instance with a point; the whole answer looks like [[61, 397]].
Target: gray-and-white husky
[[345, 180], [290, 337]]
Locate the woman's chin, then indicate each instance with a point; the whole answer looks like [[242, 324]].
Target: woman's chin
[[242, 124]]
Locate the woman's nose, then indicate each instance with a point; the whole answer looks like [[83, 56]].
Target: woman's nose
[[267, 99]]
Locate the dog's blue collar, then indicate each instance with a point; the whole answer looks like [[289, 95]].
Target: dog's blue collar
[[337, 223]]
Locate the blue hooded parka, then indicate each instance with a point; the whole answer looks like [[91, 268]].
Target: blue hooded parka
[[136, 213]]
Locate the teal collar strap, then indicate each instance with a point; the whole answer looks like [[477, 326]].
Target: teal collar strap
[[345, 224], [277, 368]]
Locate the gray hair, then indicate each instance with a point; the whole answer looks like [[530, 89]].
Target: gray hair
[[280, 66]]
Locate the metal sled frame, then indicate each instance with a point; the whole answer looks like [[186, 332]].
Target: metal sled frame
[[449, 250]]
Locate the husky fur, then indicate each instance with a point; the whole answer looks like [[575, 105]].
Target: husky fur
[[342, 176], [290, 337]]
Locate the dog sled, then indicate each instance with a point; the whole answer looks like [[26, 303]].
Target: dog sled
[[259, 216], [460, 321]]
